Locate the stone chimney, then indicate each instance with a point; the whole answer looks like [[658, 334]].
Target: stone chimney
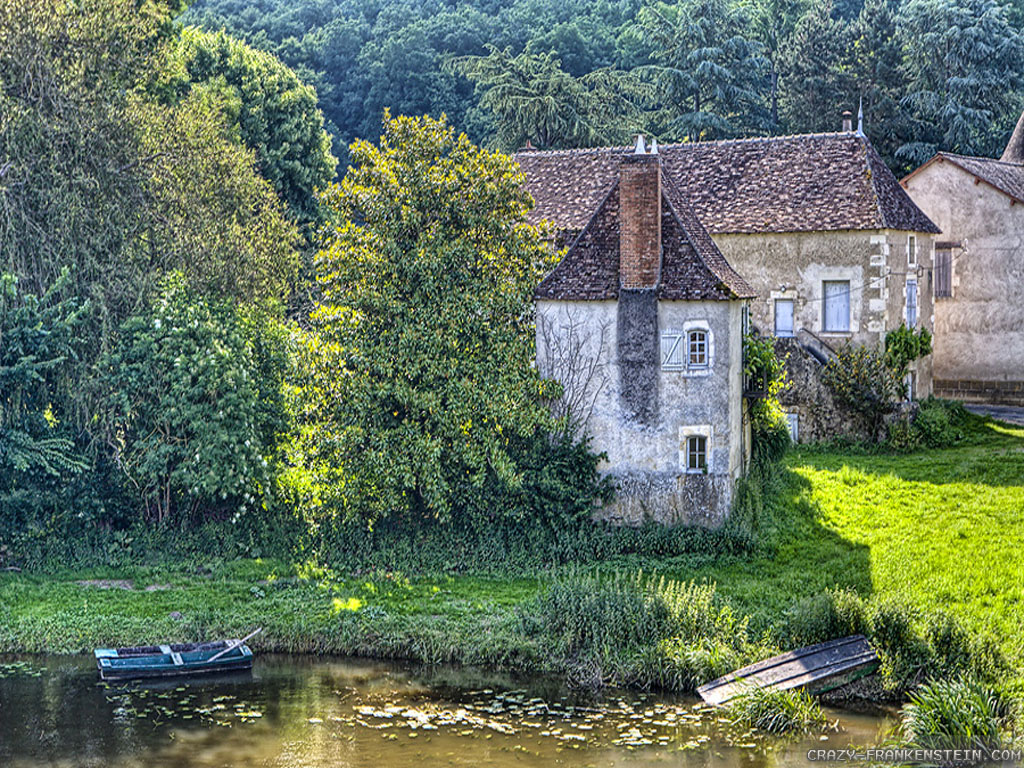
[[1014, 152], [640, 218], [847, 121]]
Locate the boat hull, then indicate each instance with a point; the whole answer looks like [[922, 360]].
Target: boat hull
[[177, 660]]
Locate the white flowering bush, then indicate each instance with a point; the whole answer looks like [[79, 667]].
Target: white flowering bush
[[192, 390]]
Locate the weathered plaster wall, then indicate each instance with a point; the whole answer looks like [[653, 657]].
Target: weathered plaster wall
[[646, 456], [794, 265], [979, 331]]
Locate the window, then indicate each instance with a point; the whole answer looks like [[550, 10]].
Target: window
[[793, 422], [836, 295], [696, 453], [943, 274], [911, 303], [912, 251], [784, 317], [697, 349], [690, 350]]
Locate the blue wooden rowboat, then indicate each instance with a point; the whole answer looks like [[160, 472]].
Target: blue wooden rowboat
[[148, 661]]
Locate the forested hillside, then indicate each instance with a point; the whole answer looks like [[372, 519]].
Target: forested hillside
[[933, 74]]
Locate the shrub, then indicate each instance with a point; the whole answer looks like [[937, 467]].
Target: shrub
[[775, 711], [955, 714], [826, 616], [861, 380], [941, 423], [904, 345]]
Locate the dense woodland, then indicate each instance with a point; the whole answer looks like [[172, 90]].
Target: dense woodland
[[933, 74], [202, 324]]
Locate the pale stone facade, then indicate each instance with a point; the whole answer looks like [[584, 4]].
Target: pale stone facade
[[877, 266], [979, 327]]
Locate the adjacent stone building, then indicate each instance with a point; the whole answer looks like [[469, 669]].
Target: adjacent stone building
[[643, 322], [832, 246], [979, 272]]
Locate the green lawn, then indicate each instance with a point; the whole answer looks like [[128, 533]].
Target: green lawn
[[940, 528]]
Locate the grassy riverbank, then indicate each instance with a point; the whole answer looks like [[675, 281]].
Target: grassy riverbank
[[936, 530]]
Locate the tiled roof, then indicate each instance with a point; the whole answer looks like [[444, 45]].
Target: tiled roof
[[1008, 178], [808, 183], [692, 267]]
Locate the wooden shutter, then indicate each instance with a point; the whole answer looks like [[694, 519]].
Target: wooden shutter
[[837, 305], [783, 317], [943, 274]]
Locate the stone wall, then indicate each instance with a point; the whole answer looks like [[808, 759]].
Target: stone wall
[[979, 330], [645, 444]]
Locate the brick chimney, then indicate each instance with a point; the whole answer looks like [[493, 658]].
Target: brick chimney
[[640, 218]]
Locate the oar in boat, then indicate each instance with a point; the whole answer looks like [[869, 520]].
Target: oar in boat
[[234, 644]]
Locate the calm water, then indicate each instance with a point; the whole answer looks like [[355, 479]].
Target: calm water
[[300, 711]]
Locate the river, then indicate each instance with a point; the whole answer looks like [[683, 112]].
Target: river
[[308, 712]]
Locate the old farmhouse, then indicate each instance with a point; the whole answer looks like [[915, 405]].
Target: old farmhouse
[[830, 243], [643, 322], [979, 272]]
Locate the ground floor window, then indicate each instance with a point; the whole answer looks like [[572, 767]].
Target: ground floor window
[[793, 422], [911, 303], [696, 453]]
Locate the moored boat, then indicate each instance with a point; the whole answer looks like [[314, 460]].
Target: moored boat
[[148, 661]]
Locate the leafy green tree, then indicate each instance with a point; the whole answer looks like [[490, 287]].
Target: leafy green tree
[[420, 381], [771, 24], [194, 412], [708, 71], [533, 99], [876, 69], [97, 175], [37, 336], [277, 116], [963, 62], [815, 82]]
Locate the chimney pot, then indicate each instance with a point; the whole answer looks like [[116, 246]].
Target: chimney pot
[[639, 149], [847, 121], [654, 146]]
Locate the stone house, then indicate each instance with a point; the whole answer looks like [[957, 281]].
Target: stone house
[[979, 271], [643, 322], [834, 249]]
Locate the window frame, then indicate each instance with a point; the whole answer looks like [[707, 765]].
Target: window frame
[[705, 345], [825, 305], [696, 447], [943, 283], [912, 251]]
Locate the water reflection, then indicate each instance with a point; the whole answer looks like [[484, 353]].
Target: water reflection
[[296, 711]]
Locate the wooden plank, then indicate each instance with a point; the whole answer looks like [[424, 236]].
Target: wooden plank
[[817, 668]]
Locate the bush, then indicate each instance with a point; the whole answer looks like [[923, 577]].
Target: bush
[[827, 616], [955, 714], [775, 711]]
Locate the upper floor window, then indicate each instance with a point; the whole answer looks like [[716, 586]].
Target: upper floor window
[[943, 274], [836, 310], [697, 349], [912, 251], [690, 350], [784, 317]]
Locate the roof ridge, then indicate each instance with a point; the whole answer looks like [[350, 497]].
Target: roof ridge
[[678, 144], [998, 160]]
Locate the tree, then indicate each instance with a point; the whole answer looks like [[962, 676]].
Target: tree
[[963, 62], [708, 72], [534, 100], [276, 115], [816, 84], [421, 385], [188, 418], [771, 24], [876, 69]]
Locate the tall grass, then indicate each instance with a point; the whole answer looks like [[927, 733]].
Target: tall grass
[[775, 711], [955, 714]]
